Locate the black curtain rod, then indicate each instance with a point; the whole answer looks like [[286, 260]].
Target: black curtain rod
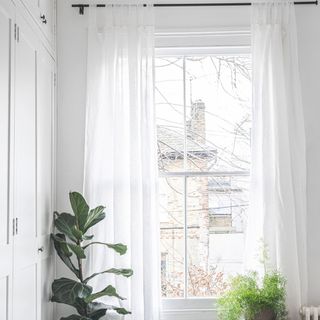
[[213, 4]]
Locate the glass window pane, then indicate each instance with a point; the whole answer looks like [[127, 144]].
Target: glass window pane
[[170, 113], [218, 112], [172, 236], [203, 111], [216, 210]]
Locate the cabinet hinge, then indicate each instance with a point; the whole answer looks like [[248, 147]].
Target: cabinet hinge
[[55, 79], [16, 32], [15, 226]]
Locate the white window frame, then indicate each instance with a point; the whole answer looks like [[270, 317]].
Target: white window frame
[[198, 42]]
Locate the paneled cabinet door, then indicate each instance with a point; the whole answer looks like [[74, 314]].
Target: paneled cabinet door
[[45, 167], [6, 48], [24, 181]]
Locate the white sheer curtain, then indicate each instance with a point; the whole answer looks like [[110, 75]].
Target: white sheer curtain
[[278, 191], [120, 155]]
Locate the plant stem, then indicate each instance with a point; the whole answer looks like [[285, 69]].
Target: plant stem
[[80, 265], [81, 271]]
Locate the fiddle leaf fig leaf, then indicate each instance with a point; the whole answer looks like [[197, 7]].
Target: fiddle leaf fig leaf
[[98, 314], [59, 241], [69, 291], [96, 310], [77, 233], [108, 291], [95, 216], [118, 247], [84, 237], [65, 223], [80, 208], [123, 272], [81, 306], [76, 249], [121, 311]]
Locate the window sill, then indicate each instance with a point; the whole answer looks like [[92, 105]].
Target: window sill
[[189, 314], [189, 309]]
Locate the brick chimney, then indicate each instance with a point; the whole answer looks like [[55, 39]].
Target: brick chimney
[[197, 123], [197, 133]]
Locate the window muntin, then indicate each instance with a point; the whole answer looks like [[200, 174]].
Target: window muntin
[[203, 119]]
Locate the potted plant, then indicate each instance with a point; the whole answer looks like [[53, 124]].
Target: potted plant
[[71, 243], [254, 298]]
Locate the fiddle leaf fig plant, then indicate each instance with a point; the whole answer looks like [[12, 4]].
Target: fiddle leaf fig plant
[[71, 243]]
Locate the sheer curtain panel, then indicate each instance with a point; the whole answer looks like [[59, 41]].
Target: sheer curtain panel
[[278, 191], [120, 155]]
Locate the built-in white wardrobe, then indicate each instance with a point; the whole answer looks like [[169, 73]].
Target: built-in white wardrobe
[[27, 148]]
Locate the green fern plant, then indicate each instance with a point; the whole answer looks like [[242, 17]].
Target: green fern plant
[[246, 298], [71, 243]]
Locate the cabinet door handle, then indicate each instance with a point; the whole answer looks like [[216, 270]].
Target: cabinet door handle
[[41, 249], [17, 225], [43, 18]]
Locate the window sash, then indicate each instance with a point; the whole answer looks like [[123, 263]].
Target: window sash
[[188, 301], [210, 42]]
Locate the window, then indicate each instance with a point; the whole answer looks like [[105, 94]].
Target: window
[[203, 112]]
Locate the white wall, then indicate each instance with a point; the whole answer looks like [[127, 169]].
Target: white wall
[[71, 99]]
